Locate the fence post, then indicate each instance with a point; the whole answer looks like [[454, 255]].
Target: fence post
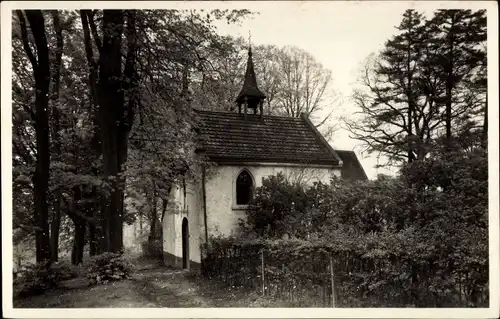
[[262, 268], [333, 281]]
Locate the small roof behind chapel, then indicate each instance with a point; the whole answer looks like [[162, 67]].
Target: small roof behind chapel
[[351, 167]]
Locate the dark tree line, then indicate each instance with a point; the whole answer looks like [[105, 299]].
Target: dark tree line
[[426, 88], [85, 84], [101, 108]]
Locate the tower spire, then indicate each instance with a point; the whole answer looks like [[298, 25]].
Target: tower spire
[[250, 95]]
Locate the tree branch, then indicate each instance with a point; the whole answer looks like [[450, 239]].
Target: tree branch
[[24, 35], [93, 28]]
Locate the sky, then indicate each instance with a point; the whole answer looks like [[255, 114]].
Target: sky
[[339, 34]]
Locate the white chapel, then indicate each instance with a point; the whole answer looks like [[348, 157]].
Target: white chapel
[[245, 146]]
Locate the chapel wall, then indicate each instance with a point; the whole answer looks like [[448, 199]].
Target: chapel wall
[[223, 214], [183, 205]]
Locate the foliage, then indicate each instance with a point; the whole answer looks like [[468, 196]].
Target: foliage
[[156, 47], [152, 249], [277, 208], [106, 267], [420, 239], [33, 279]]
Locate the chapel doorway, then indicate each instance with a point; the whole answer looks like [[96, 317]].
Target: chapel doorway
[[185, 244]]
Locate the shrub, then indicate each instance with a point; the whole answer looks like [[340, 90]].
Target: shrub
[[279, 207], [65, 270], [107, 267], [33, 279], [152, 249], [418, 239]]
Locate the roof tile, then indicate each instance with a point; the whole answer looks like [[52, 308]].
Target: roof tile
[[229, 136]]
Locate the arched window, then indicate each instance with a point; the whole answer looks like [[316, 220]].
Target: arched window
[[244, 188]]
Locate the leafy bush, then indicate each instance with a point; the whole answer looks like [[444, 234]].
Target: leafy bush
[[278, 207], [152, 249], [419, 239], [33, 279], [65, 269], [107, 267]]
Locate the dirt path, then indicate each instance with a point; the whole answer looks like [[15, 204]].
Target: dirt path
[[150, 286], [164, 287]]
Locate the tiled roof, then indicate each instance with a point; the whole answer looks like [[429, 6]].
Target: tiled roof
[[351, 167], [228, 137]]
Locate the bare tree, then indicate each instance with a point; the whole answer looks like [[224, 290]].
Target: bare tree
[[293, 81], [302, 85], [303, 82]]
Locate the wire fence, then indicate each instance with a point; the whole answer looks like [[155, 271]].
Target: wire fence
[[317, 277]]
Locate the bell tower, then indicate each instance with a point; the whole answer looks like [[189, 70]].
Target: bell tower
[[250, 96]]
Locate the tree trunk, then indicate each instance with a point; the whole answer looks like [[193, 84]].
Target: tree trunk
[[93, 241], [98, 238], [152, 230], [56, 217], [80, 226], [410, 134], [163, 211], [55, 227], [164, 206], [449, 82], [78, 241], [484, 135], [409, 95], [114, 117], [84, 15], [110, 108], [154, 216], [126, 118], [41, 68]]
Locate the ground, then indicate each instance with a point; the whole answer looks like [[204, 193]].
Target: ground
[[152, 285]]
